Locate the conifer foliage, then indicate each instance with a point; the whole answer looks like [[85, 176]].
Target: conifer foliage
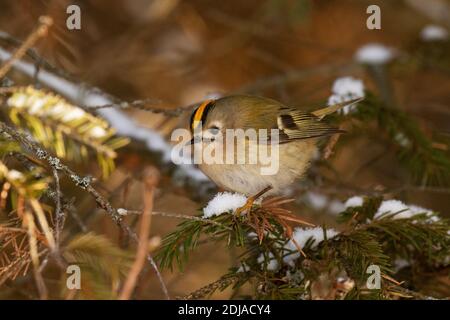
[[54, 151]]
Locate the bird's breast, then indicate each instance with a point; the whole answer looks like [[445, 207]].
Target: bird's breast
[[253, 168]]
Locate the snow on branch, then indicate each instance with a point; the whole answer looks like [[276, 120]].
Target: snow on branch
[[124, 125], [374, 54], [224, 202]]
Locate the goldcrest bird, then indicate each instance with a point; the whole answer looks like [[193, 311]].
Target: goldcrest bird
[[298, 134]]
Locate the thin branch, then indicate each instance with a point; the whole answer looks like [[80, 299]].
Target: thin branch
[[41, 31], [150, 181], [87, 95], [55, 163], [59, 214], [83, 183], [328, 150], [174, 215], [31, 228], [66, 205], [210, 288], [141, 104], [11, 40]]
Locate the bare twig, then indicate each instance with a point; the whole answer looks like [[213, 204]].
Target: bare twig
[[150, 181], [44, 24], [142, 104], [59, 214], [175, 215], [43, 223], [87, 95], [328, 151], [31, 228], [55, 163], [66, 204], [83, 183], [11, 40], [210, 288]]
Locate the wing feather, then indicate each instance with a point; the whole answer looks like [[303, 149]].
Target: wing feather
[[295, 124]]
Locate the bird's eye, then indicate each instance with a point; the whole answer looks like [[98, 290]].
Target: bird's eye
[[214, 130]]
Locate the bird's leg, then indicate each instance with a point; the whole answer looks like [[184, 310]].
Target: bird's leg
[[249, 204]]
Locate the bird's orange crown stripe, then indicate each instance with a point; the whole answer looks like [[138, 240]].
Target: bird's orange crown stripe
[[199, 114]]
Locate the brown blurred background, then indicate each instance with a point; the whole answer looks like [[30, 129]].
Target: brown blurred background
[[179, 52]]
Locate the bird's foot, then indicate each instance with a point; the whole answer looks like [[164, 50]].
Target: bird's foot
[[247, 207]]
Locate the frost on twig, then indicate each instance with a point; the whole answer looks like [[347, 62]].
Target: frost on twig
[[87, 96], [82, 182], [67, 130]]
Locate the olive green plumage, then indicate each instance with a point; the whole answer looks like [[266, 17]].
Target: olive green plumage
[[298, 133]]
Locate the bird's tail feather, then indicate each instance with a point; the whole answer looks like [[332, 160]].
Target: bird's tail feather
[[321, 113]]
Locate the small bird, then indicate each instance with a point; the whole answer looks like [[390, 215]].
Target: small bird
[[298, 134]]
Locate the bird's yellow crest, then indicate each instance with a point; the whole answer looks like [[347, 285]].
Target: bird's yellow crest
[[199, 114]]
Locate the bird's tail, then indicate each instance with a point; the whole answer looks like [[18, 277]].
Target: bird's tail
[[321, 113]]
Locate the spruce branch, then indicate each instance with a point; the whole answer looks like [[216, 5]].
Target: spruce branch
[[31, 53], [63, 127], [427, 164], [126, 212], [82, 182], [103, 265], [220, 284], [67, 205], [142, 104], [366, 240]]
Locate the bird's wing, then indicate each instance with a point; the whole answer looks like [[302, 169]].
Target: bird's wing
[[292, 123], [295, 124]]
